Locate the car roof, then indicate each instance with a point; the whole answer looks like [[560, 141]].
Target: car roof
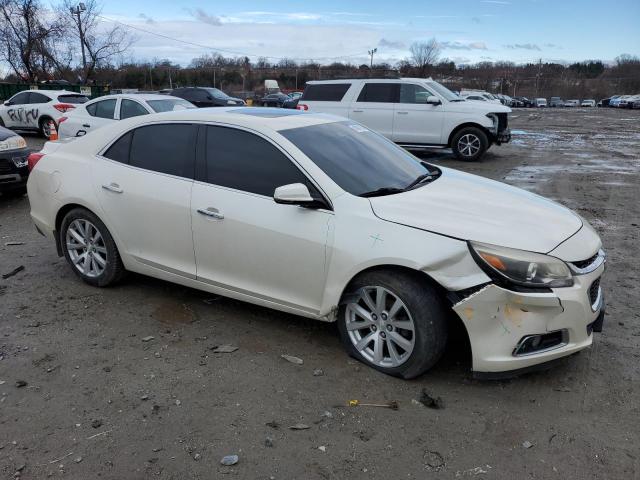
[[136, 96], [274, 119]]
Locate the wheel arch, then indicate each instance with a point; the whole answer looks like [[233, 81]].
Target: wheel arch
[[62, 212], [469, 124], [400, 269]]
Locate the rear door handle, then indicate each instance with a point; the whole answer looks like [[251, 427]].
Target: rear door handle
[[358, 111], [86, 125], [211, 212], [403, 113], [113, 187]]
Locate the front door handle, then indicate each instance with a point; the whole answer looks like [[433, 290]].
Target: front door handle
[[358, 111], [113, 187], [211, 212], [403, 113], [86, 125]]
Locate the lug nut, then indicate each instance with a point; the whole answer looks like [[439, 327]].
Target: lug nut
[[373, 328], [374, 316], [383, 335], [384, 316], [389, 328]]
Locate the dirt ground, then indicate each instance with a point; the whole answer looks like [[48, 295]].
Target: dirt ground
[[103, 400]]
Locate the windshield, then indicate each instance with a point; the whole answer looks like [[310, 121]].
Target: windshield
[[444, 92], [169, 105], [217, 93], [74, 99], [358, 160]]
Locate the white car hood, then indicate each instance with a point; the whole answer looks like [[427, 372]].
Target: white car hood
[[470, 207], [477, 106]]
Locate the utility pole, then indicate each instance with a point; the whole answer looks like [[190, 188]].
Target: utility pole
[[371, 52], [77, 10]]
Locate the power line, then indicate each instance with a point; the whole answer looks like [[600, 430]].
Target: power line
[[230, 52]]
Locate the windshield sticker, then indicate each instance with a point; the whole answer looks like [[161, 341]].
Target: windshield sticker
[[358, 128]]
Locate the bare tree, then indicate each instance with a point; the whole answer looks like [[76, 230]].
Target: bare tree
[[30, 41], [99, 45], [425, 54]]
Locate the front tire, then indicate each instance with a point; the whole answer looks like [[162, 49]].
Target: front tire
[[394, 322], [469, 144], [89, 248]]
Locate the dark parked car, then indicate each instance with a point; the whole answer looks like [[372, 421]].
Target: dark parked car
[[203, 97], [292, 101], [13, 163], [274, 99], [556, 102]]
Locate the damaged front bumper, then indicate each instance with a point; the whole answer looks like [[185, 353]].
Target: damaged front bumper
[[511, 332]]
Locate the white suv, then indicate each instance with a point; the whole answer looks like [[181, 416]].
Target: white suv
[[36, 109], [416, 113]]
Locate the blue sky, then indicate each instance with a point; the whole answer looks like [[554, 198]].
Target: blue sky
[[469, 30]]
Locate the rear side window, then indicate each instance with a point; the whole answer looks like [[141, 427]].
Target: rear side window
[[129, 108], [73, 99], [103, 109], [328, 92], [38, 98], [119, 151], [243, 161], [167, 148], [380, 93]]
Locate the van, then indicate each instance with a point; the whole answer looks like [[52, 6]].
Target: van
[[416, 113], [540, 102]]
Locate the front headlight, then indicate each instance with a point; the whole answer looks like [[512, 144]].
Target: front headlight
[[13, 143], [494, 119], [520, 267]]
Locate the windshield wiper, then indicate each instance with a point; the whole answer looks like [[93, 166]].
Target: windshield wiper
[[422, 178], [382, 191]]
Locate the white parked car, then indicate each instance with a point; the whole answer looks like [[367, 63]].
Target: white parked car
[[110, 108], [588, 103], [415, 113], [36, 109], [540, 102], [572, 103], [489, 97], [320, 216]]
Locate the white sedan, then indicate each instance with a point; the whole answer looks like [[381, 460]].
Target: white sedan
[[319, 216], [104, 110]]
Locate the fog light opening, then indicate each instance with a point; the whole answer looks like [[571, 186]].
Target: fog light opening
[[534, 344]]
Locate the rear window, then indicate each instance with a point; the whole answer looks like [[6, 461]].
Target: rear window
[[328, 92], [169, 105], [73, 99]]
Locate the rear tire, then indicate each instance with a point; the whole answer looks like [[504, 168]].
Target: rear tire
[[469, 144], [89, 248], [394, 322], [45, 129]]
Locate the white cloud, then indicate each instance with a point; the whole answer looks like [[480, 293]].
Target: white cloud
[[463, 45]]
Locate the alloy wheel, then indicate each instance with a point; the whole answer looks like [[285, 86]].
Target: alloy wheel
[[380, 327], [86, 248], [469, 145]]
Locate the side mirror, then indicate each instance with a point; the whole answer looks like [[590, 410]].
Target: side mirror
[[7, 103], [294, 194], [433, 100]]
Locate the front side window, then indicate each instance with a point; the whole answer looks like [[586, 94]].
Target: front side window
[[20, 99], [129, 108], [357, 159], [380, 93], [444, 92], [165, 148], [103, 109], [244, 161], [412, 93]]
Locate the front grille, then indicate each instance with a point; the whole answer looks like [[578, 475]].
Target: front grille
[[6, 166], [502, 122], [587, 262], [594, 290]]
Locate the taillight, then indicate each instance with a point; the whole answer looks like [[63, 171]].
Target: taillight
[[302, 106], [62, 119], [63, 107], [32, 159]]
